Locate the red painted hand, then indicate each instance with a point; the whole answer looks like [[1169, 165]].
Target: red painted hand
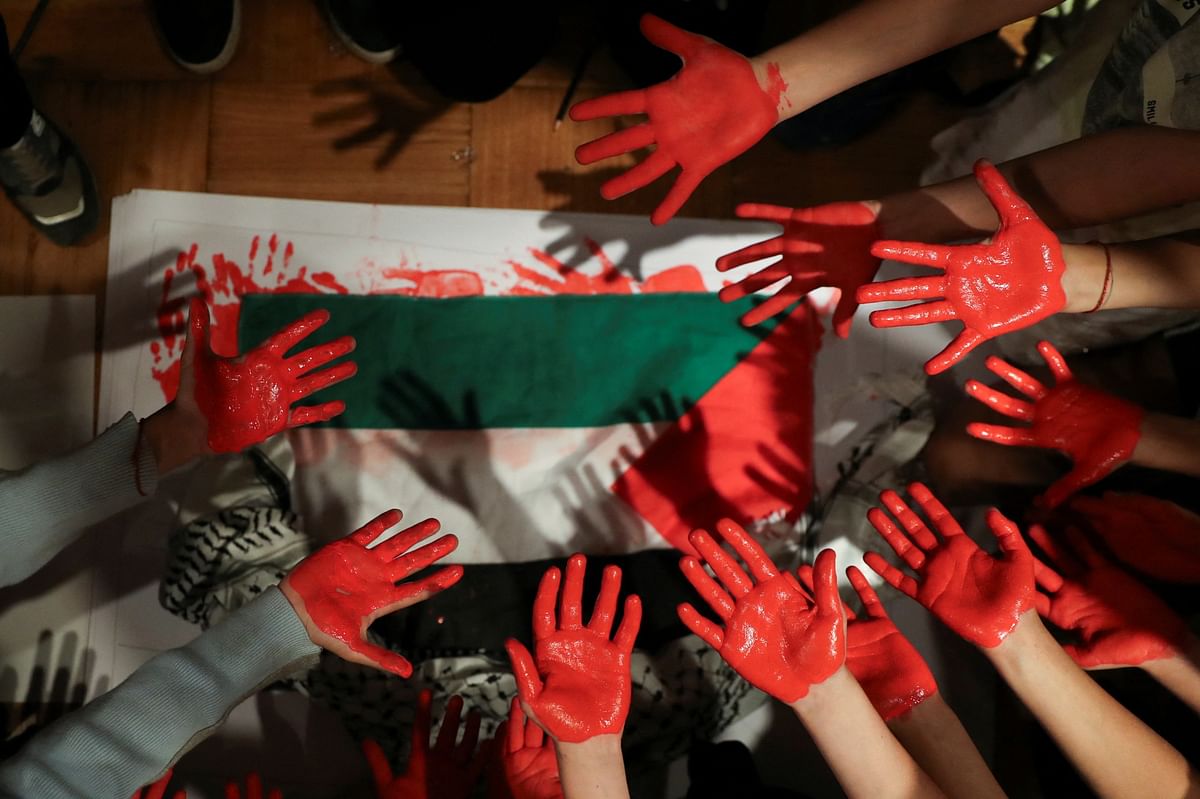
[[1118, 620], [580, 685], [254, 789], [244, 401], [1152, 535], [1006, 283], [775, 635], [344, 586], [158, 789], [979, 596], [1097, 431], [829, 245], [528, 766], [444, 771], [890, 670], [710, 112]]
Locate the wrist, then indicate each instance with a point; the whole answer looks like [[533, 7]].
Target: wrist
[[597, 749], [824, 696], [170, 439], [1084, 279], [1028, 639]]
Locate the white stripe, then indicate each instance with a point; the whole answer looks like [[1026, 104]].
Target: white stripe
[[1182, 10]]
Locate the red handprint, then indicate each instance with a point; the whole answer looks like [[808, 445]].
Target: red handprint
[[528, 766], [889, 668], [1154, 536], [979, 596], [774, 635], [710, 112], [1119, 621], [254, 789], [246, 400], [1006, 283], [829, 245], [447, 770], [580, 684], [1097, 431], [344, 586], [158, 789]]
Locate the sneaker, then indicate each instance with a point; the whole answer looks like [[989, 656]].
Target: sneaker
[[366, 28], [48, 180], [200, 35]]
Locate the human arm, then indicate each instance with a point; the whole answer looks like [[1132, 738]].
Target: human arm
[[1179, 673], [578, 687]]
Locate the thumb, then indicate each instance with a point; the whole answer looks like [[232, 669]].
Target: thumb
[[529, 684]]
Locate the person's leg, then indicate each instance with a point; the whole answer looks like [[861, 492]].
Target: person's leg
[[16, 108]]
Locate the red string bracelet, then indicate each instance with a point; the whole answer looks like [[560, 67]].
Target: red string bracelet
[[1108, 279]]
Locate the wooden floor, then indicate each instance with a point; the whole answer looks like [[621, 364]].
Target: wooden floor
[[294, 115]]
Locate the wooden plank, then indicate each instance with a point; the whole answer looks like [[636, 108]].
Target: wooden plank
[[353, 140]]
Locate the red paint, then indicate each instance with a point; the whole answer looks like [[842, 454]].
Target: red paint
[[1154, 536], [158, 789], [829, 245], [529, 768], [567, 280], [777, 87], [434, 283], [345, 586], [247, 400], [979, 596], [775, 636], [445, 770], [890, 670], [744, 451], [1097, 431], [710, 112], [680, 279], [1117, 620], [254, 789], [579, 686], [1011, 282]]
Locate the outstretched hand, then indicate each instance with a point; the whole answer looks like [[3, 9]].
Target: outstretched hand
[[829, 245], [447, 770], [1097, 431], [528, 766], [240, 402], [709, 113], [889, 668], [773, 633], [1008, 282], [579, 686], [1152, 535], [979, 596], [344, 586], [1119, 621]]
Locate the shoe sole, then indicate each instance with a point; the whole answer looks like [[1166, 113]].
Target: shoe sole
[[223, 58], [370, 56], [70, 232]]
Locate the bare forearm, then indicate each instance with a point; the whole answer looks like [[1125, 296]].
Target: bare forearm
[[1180, 674], [1078, 184], [1156, 273], [878, 36], [1115, 752], [594, 769], [937, 741], [864, 755], [1169, 443]]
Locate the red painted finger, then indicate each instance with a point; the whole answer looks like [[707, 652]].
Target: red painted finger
[[529, 684], [747, 549], [366, 534], [642, 174], [422, 558], [618, 143], [404, 540], [1046, 578], [631, 622], [1001, 403], [893, 576], [1042, 604], [416, 591], [1055, 360], [902, 290], [954, 352], [934, 510], [297, 331], [765, 212], [712, 593], [664, 35], [825, 585], [384, 659], [606, 602], [1001, 434], [1008, 535], [735, 581], [759, 250], [1022, 381], [323, 379], [570, 612], [938, 256], [316, 357], [544, 620], [422, 723], [804, 573], [687, 182], [788, 296], [899, 542], [925, 313], [913, 525], [515, 729], [1009, 205], [1062, 489], [448, 733], [872, 607], [610, 105], [765, 277], [708, 632], [314, 414], [155, 790]]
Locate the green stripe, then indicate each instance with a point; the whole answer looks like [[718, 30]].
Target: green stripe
[[476, 362]]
